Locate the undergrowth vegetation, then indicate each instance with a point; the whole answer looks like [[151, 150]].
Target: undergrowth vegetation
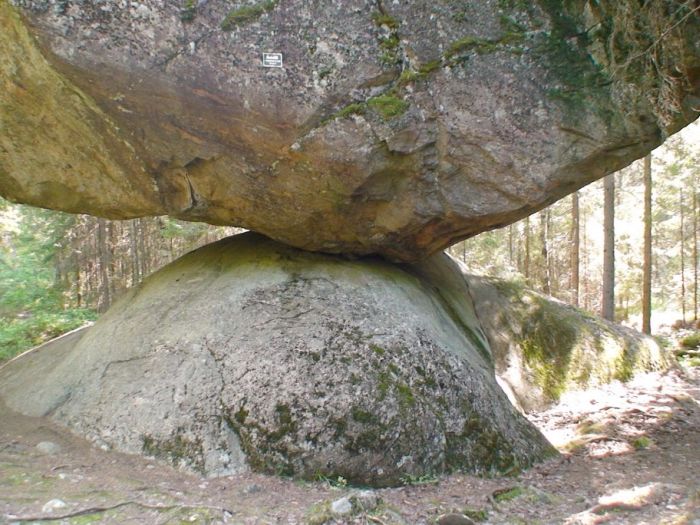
[[32, 308]]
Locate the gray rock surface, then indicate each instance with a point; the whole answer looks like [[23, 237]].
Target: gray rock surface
[[454, 519], [250, 354], [48, 447], [365, 500], [341, 507], [393, 127], [53, 505]]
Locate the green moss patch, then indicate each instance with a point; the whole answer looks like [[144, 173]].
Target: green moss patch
[[565, 347], [383, 19], [469, 43], [176, 450], [691, 341], [246, 14], [481, 447], [351, 109], [188, 11], [85, 519], [475, 514], [377, 349], [388, 106], [508, 41], [508, 494], [641, 442], [265, 448], [362, 416], [548, 340]]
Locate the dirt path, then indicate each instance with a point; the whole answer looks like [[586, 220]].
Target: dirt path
[[632, 456]]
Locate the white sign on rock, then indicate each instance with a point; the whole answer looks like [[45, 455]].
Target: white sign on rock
[[272, 60]]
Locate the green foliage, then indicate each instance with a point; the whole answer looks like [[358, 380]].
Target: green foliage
[[246, 14], [508, 494], [20, 334], [691, 341], [405, 395], [476, 514], [31, 301], [338, 482], [429, 67], [389, 41], [84, 519], [55, 268], [559, 341], [319, 513], [641, 442]]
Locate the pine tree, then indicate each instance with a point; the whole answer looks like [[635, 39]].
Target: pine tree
[[646, 280], [608, 296]]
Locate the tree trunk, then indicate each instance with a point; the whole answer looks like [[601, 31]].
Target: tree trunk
[[526, 264], [142, 232], [103, 256], [585, 266], [608, 299], [112, 252], [511, 237], [546, 280], [135, 262], [646, 269], [78, 284], [575, 249], [680, 205], [696, 196]]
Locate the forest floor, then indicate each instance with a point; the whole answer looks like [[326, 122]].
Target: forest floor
[[630, 454]]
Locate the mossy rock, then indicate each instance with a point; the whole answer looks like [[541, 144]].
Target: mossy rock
[[543, 347], [248, 354]]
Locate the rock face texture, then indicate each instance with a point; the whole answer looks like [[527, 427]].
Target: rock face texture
[[392, 127], [543, 347], [250, 354]]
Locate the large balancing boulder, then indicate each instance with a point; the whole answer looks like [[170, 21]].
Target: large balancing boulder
[[396, 128], [250, 354]]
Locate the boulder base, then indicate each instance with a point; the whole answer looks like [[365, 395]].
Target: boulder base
[[248, 354]]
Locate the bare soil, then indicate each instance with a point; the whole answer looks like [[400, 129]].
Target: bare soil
[[630, 455]]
